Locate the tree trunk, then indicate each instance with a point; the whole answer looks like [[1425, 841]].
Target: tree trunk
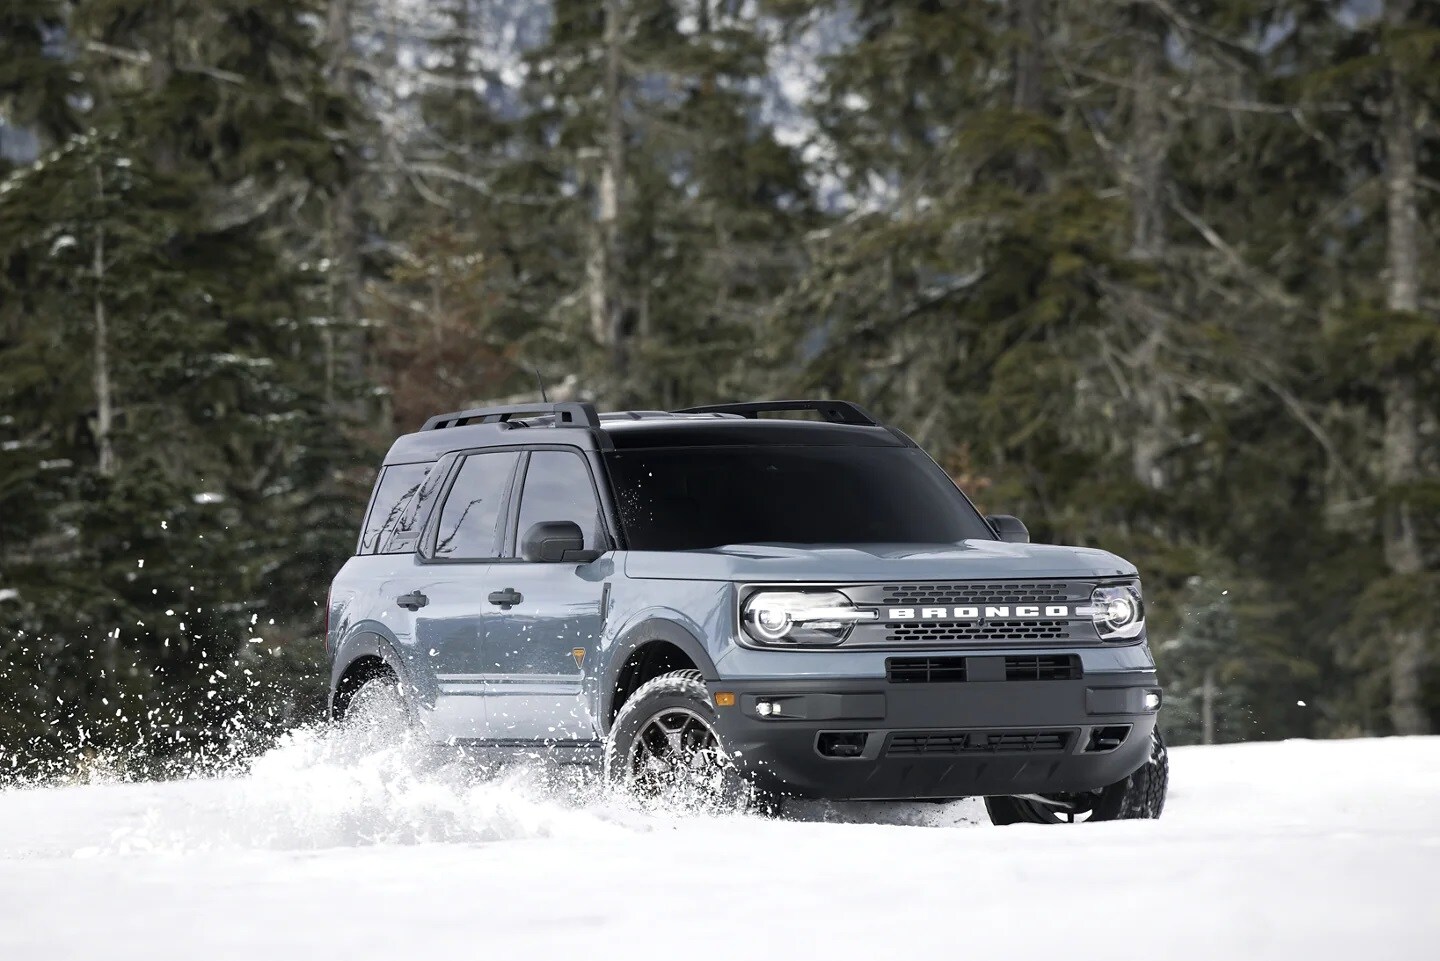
[[1207, 707], [1147, 142], [606, 308], [104, 402], [344, 343], [1029, 56], [1400, 458], [1029, 94], [1145, 184]]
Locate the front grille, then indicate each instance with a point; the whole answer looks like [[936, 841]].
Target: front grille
[[1042, 667], [986, 592], [951, 743], [970, 632], [924, 670]]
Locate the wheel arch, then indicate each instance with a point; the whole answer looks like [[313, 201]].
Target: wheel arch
[[651, 647], [360, 658]]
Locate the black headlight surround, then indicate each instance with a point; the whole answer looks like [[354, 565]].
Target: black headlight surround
[[799, 635], [1126, 630]]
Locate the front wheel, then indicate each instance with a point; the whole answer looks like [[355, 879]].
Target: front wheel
[[1139, 796], [665, 749]]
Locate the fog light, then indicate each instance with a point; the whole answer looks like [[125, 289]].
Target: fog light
[[1152, 700], [767, 708]]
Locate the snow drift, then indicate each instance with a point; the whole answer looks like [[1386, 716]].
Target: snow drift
[[326, 849]]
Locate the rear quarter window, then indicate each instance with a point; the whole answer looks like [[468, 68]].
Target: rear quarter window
[[392, 506]]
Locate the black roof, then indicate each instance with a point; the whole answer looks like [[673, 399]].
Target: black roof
[[580, 426], [735, 433]]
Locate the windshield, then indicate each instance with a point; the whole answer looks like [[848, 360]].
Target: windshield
[[697, 497]]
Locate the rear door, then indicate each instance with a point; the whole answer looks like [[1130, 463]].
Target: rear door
[[458, 547], [540, 644]]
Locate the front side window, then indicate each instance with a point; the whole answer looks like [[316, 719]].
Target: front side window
[[472, 520], [695, 498], [395, 495], [558, 488]]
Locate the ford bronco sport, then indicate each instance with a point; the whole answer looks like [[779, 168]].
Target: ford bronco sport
[[802, 604]]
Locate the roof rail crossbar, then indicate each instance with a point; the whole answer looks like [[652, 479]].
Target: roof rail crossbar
[[834, 411], [566, 413]]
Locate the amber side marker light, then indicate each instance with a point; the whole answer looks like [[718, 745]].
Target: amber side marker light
[[724, 699]]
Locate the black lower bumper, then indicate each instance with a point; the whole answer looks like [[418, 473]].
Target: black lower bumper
[[848, 739]]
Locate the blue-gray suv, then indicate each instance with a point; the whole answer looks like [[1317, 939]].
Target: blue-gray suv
[[763, 600]]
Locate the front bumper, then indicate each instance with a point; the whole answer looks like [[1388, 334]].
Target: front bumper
[[871, 739]]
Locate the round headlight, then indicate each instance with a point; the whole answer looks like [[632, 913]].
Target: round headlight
[[771, 623], [1118, 611]]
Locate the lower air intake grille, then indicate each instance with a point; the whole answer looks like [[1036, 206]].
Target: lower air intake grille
[[924, 670], [1042, 667], [950, 743], [1018, 667]]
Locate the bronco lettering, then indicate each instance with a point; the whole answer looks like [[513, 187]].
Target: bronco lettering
[[1004, 612]]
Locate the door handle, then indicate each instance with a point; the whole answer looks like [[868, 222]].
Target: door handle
[[412, 601], [507, 598]]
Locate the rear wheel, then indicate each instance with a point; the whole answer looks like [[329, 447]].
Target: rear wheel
[[377, 713], [1139, 796], [665, 749]]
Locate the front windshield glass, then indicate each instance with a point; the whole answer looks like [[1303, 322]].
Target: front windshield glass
[[693, 498]]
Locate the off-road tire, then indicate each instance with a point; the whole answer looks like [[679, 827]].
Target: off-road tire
[[1140, 796], [1149, 784], [682, 690], [379, 713]]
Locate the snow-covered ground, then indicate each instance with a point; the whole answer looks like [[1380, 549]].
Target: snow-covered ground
[[1304, 850]]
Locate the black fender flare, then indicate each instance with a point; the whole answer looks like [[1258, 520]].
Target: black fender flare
[[359, 645], [637, 636]]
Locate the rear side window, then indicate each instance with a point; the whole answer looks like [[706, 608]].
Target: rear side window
[[472, 520], [395, 491], [558, 488]]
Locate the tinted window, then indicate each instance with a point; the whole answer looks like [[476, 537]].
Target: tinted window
[[558, 488], [394, 492], [693, 498], [471, 520]]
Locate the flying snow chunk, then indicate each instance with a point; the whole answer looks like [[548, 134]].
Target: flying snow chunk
[[208, 497]]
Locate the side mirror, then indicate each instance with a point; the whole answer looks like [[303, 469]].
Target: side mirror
[[555, 542], [1008, 528]]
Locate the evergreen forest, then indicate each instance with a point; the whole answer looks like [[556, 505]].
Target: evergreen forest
[[1157, 276]]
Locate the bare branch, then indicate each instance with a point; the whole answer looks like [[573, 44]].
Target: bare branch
[[143, 58], [1261, 284]]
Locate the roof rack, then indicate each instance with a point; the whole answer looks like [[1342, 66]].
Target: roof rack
[[834, 411], [566, 413]]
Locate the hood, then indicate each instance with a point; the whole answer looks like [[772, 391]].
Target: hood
[[967, 560]]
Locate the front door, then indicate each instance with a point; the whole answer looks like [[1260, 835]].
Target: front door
[[468, 536], [542, 629]]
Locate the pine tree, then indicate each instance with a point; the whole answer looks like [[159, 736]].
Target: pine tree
[[683, 210], [162, 361], [1368, 86]]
